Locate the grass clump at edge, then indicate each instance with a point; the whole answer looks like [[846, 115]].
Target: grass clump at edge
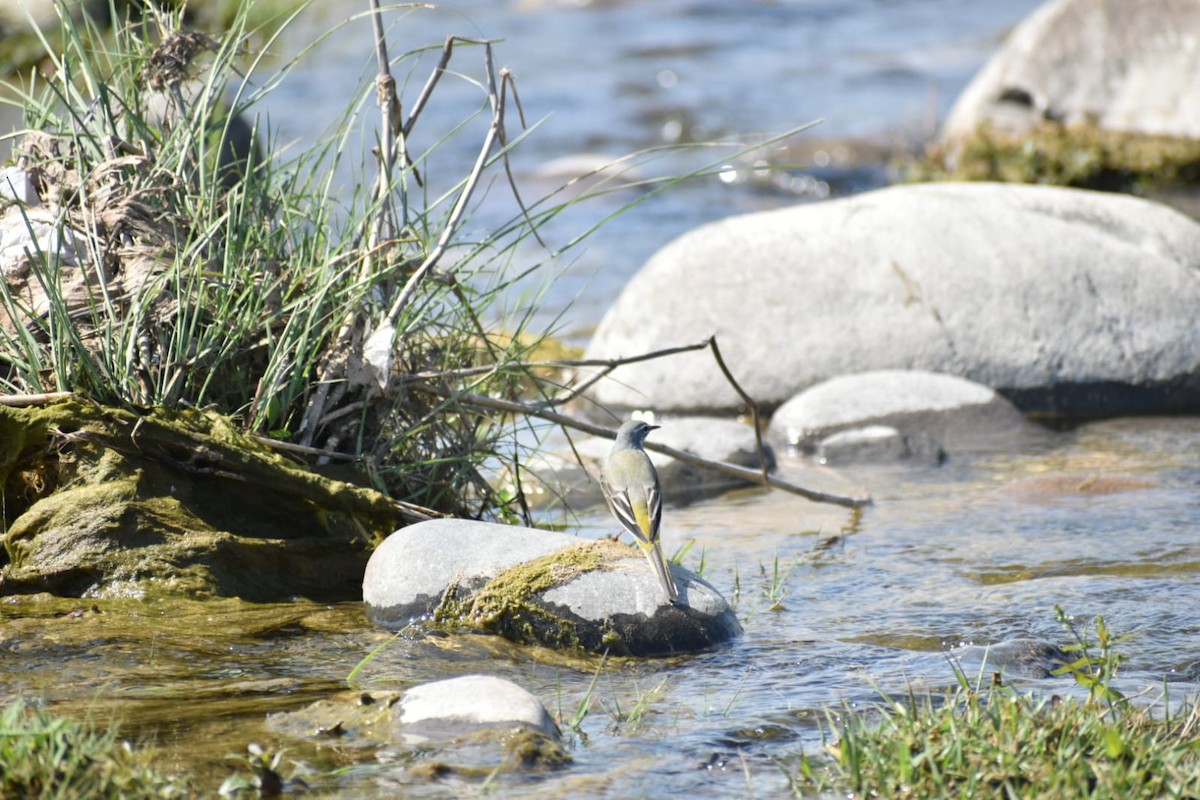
[[196, 276], [998, 741], [200, 275], [48, 756]]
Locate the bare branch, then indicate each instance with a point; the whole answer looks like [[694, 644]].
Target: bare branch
[[460, 206], [435, 76], [762, 454], [22, 400], [561, 363], [743, 473], [389, 106]]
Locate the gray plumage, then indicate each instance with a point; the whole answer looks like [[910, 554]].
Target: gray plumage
[[631, 487]]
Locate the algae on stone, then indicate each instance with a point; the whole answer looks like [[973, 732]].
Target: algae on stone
[[101, 501], [507, 605], [1081, 155]]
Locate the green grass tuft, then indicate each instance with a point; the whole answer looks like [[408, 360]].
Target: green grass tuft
[[997, 741], [43, 756]]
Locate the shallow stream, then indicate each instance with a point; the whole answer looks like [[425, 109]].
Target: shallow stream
[[1100, 520]]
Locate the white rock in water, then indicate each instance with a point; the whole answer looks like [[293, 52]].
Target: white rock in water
[[473, 701]]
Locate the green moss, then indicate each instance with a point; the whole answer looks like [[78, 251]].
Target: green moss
[[178, 501], [1082, 155], [506, 604]]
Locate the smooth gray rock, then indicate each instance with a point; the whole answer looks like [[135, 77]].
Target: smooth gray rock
[[953, 413], [551, 476], [877, 444], [474, 723], [1068, 302], [600, 596], [470, 702], [1125, 66], [1029, 658]]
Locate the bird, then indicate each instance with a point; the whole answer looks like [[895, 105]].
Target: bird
[[631, 488]]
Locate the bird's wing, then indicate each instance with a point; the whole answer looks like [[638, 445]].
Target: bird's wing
[[622, 508], [640, 520], [654, 507]]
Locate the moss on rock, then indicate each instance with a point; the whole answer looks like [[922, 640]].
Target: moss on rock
[[509, 604], [101, 501], [1082, 155]]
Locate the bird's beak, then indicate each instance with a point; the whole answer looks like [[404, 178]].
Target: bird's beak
[[654, 427]]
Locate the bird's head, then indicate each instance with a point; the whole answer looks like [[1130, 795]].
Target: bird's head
[[633, 433]]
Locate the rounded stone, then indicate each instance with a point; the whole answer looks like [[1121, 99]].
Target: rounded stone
[[540, 587], [1122, 66], [1068, 302], [953, 413], [471, 702]]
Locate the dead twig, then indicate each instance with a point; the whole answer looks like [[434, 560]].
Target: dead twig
[[389, 107], [23, 400], [609, 364], [743, 473], [464, 196], [762, 453]]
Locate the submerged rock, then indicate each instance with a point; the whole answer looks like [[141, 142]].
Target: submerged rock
[[1026, 658], [1075, 485], [1068, 302], [877, 444], [928, 413], [540, 587]]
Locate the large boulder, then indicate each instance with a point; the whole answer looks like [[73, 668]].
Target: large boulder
[[541, 587], [1068, 302], [1121, 65]]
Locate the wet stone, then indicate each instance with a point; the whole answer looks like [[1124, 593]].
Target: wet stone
[[880, 444], [1026, 658], [466, 726], [928, 411], [540, 587], [469, 702]]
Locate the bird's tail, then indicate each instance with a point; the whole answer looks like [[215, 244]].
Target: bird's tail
[[658, 562]]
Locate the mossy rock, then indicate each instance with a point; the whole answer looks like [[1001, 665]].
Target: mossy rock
[[100, 502], [541, 588], [1082, 155]]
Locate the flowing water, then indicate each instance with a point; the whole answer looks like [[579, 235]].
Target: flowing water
[[1100, 520]]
